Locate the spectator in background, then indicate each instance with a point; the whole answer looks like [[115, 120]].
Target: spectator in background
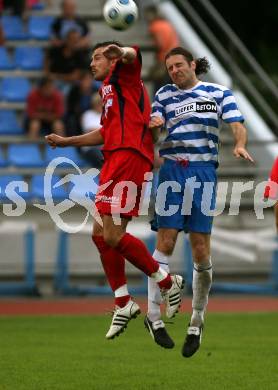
[[45, 110], [33, 3], [16, 6], [69, 21], [66, 63], [165, 39], [90, 121], [78, 101], [2, 38]]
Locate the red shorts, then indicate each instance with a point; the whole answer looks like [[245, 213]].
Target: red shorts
[[121, 176]]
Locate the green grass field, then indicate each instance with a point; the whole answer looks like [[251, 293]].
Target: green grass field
[[239, 351]]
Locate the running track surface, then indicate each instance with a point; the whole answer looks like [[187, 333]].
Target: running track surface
[[100, 305]]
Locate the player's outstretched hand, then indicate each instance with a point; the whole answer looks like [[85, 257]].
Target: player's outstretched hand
[[242, 152], [113, 52], [156, 122], [55, 140]]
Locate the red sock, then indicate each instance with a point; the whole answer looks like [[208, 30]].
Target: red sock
[[166, 283], [122, 301], [113, 263], [136, 253]]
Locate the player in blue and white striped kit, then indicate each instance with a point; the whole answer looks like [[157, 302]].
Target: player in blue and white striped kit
[[191, 110]]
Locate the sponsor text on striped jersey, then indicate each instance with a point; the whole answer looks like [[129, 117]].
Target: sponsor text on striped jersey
[[193, 118]]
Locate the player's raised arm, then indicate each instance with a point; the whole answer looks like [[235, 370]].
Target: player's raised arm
[[240, 136], [114, 52], [92, 138]]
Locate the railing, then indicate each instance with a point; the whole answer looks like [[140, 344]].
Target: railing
[[227, 59], [237, 43]]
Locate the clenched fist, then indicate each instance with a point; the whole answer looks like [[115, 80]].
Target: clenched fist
[[55, 140], [156, 122]]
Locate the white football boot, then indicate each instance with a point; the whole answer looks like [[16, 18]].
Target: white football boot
[[121, 317], [172, 297]]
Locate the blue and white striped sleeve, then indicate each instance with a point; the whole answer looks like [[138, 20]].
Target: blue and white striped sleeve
[[157, 108], [229, 108]]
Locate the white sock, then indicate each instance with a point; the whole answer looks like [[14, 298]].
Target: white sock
[[121, 291], [202, 279], [154, 295]]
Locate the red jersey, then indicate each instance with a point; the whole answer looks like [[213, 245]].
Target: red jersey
[[52, 104], [126, 110], [271, 189]]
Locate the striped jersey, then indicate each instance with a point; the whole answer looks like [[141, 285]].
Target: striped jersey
[[192, 118]]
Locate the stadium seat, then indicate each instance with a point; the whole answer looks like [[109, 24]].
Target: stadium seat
[[39, 191], [8, 123], [3, 161], [15, 89], [5, 60], [6, 195], [70, 153], [29, 58], [13, 28], [39, 27], [26, 155]]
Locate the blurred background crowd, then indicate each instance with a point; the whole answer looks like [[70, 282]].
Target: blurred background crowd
[[64, 99]]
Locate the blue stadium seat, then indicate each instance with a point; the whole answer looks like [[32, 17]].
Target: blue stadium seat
[[13, 28], [15, 89], [6, 195], [5, 60], [8, 123], [70, 153], [29, 58], [40, 27], [38, 190], [3, 161], [26, 155]]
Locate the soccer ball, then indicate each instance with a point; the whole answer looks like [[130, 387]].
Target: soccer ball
[[120, 14]]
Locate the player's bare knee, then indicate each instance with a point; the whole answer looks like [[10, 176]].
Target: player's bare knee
[[166, 241], [167, 246], [111, 239], [200, 252], [200, 244]]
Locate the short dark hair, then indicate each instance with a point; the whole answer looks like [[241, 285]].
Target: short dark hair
[[106, 43], [202, 64]]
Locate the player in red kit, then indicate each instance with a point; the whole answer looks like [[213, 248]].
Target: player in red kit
[[128, 156]]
